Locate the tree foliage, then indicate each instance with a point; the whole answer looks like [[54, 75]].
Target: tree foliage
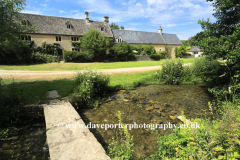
[[94, 42], [121, 51], [10, 26], [114, 26], [179, 52], [221, 39]]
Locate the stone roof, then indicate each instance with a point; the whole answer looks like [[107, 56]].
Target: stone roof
[[57, 25], [196, 49], [146, 37]]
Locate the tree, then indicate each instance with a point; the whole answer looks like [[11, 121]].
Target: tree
[[94, 42], [222, 38], [179, 52], [121, 51], [10, 27], [114, 26]]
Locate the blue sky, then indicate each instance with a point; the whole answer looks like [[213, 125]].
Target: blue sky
[[174, 16]]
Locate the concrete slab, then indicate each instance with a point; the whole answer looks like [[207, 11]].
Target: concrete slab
[[73, 143], [52, 94]]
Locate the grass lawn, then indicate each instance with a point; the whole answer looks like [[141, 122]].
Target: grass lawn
[[82, 66], [34, 91]]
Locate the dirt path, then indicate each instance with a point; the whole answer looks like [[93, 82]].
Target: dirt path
[[19, 74]]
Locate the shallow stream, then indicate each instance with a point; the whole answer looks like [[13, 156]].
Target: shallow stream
[[152, 104]]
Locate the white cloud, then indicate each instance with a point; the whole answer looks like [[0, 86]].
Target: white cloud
[[124, 3], [138, 4], [47, 0], [61, 11], [135, 24], [132, 29], [74, 10], [171, 25], [178, 11], [31, 12], [44, 5]]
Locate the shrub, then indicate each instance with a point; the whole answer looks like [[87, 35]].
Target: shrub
[[217, 139], [138, 48], [42, 58], [163, 54], [149, 50], [209, 70], [17, 53], [90, 87], [121, 51], [74, 56], [9, 104], [172, 72], [156, 57], [179, 52]]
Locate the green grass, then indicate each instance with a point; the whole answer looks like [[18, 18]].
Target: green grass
[[81, 66], [35, 90]]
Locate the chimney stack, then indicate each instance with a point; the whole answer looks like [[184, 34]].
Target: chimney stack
[[121, 28], [160, 30], [106, 19], [86, 17]]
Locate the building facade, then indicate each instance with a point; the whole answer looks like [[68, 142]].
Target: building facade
[[64, 31]]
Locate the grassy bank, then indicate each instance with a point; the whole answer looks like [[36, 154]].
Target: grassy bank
[[82, 66], [35, 90]]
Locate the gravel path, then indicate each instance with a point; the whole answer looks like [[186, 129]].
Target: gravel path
[[20, 74]]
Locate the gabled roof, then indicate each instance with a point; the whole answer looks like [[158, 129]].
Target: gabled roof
[[57, 25], [146, 37], [196, 49], [171, 39]]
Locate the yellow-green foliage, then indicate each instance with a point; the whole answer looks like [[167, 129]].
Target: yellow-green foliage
[[121, 148], [216, 139]]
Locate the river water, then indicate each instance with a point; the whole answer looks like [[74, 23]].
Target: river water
[[152, 104]]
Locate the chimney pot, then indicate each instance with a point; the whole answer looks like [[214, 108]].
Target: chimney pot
[[160, 30], [106, 19], [121, 28], [86, 17]]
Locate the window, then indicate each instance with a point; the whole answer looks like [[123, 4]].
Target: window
[[24, 37], [160, 49], [25, 22], [102, 29], [74, 38], [119, 40], [75, 49], [58, 38], [69, 26]]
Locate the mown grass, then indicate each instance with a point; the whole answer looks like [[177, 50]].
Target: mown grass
[[82, 66], [35, 91]]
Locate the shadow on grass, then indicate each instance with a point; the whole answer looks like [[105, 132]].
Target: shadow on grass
[[35, 91]]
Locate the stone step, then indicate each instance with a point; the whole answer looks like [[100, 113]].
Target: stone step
[[70, 143]]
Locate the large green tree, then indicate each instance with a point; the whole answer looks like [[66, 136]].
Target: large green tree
[[221, 39], [95, 43], [10, 21], [114, 26]]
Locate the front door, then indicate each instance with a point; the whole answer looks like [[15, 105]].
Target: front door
[[60, 53]]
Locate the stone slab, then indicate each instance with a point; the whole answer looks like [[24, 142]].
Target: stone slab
[[72, 143], [52, 94]]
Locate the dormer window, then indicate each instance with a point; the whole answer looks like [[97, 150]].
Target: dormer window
[[25, 22], [69, 26], [102, 28], [119, 40]]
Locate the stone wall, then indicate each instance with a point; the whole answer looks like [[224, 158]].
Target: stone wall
[[144, 58]]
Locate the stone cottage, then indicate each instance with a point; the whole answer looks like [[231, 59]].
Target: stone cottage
[[158, 39], [196, 51], [64, 31]]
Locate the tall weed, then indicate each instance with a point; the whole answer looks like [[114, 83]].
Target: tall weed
[[90, 87]]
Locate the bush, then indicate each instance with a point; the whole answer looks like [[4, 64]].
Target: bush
[[179, 52], [172, 72], [149, 50], [163, 54], [121, 52], [42, 58], [9, 104], [17, 53], [156, 57], [209, 70], [217, 139], [74, 56], [90, 87], [138, 48]]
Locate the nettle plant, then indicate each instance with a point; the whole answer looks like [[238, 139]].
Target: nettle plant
[[90, 87]]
